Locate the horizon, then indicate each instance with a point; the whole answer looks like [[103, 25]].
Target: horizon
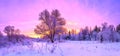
[[24, 14]]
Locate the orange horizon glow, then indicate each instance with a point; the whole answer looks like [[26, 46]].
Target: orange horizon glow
[[33, 35], [24, 14]]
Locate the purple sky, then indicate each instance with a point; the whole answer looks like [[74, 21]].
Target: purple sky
[[23, 14]]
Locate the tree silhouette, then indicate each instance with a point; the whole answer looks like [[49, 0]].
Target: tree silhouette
[[96, 29], [12, 33], [9, 30], [51, 24]]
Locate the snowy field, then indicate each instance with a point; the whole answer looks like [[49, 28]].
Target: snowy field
[[68, 48]]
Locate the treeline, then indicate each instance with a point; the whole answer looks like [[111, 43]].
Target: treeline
[[52, 28], [105, 33]]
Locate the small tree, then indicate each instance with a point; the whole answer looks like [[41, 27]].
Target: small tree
[[104, 26], [51, 24], [12, 33], [9, 30], [85, 33], [94, 32], [96, 29]]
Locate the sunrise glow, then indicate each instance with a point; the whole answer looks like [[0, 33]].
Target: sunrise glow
[[24, 14], [59, 27]]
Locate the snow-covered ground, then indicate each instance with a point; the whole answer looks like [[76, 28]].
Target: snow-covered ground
[[67, 48]]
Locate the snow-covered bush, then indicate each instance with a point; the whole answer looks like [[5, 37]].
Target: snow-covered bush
[[108, 34], [80, 36], [84, 34], [118, 28], [94, 35]]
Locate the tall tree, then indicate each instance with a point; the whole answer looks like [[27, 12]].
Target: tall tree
[[51, 24]]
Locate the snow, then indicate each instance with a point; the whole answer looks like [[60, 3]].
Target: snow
[[67, 48]]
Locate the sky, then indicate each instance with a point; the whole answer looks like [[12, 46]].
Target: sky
[[24, 14]]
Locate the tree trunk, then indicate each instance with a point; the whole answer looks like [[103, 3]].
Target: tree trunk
[[52, 39]]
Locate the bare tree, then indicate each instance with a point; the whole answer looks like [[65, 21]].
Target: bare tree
[[9, 30], [17, 32], [51, 24], [12, 33]]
